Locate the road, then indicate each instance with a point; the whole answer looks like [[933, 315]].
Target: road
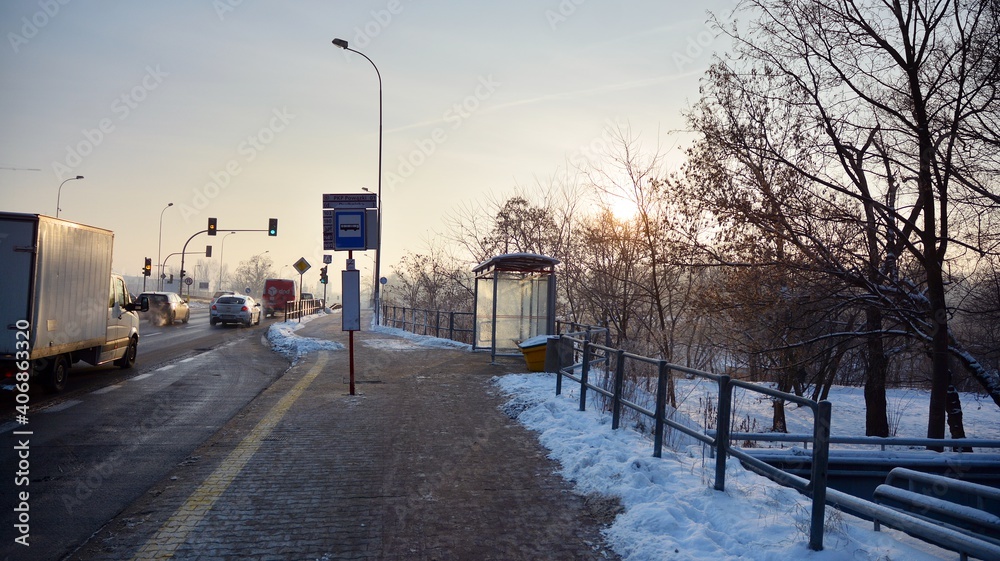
[[113, 433]]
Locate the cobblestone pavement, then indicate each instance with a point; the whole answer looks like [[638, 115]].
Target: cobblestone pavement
[[420, 464]]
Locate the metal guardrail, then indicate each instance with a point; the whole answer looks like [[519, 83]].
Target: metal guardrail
[[582, 354], [878, 441], [574, 356], [456, 326], [922, 498], [295, 309]]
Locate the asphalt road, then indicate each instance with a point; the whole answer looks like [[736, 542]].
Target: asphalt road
[[112, 434]]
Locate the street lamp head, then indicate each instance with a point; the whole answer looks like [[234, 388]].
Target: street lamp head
[[170, 204], [79, 177], [340, 43]]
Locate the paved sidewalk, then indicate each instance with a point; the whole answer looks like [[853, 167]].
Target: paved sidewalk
[[420, 464]]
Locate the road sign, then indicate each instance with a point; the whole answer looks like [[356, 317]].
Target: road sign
[[349, 230], [368, 231], [327, 259], [350, 200], [350, 315], [302, 265]]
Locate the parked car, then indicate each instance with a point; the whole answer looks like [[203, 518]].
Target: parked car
[[235, 308], [276, 293], [306, 296], [165, 308]]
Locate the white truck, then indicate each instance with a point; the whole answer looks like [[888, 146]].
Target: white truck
[[59, 301]]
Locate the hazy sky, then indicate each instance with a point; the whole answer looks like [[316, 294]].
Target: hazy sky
[[244, 110]]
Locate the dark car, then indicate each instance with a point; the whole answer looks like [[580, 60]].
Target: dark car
[[165, 308]]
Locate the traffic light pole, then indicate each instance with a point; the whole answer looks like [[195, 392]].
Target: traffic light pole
[[180, 290]]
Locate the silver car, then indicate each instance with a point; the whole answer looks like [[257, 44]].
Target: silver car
[[235, 308]]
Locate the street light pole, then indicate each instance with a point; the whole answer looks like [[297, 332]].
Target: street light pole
[[159, 251], [59, 194], [378, 246], [222, 252]]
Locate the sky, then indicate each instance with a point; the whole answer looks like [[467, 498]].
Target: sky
[[246, 111], [670, 508]]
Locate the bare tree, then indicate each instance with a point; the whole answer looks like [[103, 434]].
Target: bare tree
[[252, 273], [874, 109]]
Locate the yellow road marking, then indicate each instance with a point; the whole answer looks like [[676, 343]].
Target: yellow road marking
[[175, 530]]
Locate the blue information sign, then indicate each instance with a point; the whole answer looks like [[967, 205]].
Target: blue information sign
[[349, 230]]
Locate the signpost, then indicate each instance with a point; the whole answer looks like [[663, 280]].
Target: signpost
[[350, 222], [301, 266]]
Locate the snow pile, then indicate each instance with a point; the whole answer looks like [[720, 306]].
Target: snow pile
[[284, 340], [671, 509], [423, 340]]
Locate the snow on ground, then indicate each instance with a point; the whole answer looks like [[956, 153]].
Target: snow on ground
[[671, 509], [284, 340]]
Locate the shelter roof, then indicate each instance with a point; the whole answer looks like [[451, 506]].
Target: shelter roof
[[518, 262]]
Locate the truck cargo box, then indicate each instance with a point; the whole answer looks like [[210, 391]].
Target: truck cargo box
[[55, 275]]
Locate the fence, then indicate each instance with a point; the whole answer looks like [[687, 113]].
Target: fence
[[577, 355], [574, 355], [295, 309], [456, 326]]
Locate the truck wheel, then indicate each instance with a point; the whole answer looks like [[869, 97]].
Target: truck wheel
[[128, 359], [56, 374], [213, 321]]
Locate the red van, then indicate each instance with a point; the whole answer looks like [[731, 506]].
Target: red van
[[276, 293]]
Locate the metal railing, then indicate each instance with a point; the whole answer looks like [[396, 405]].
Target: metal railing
[[574, 356], [456, 326], [590, 354], [295, 309]]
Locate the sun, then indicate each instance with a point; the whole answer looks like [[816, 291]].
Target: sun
[[623, 208]]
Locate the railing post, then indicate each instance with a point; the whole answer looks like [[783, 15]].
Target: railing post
[[616, 396], [553, 355], [722, 431], [451, 325], [820, 468], [661, 407], [583, 375]]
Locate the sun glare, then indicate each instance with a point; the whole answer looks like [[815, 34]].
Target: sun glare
[[623, 208]]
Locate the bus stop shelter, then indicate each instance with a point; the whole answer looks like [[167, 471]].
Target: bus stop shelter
[[515, 297]]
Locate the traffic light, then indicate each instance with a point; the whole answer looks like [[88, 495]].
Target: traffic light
[[147, 269], [212, 226], [208, 251], [272, 227], [322, 275]]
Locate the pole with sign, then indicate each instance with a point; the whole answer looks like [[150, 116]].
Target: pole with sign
[[350, 280], [301, 266], [350, 222]]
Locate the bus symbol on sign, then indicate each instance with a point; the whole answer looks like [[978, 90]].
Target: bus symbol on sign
[[349, 230]]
